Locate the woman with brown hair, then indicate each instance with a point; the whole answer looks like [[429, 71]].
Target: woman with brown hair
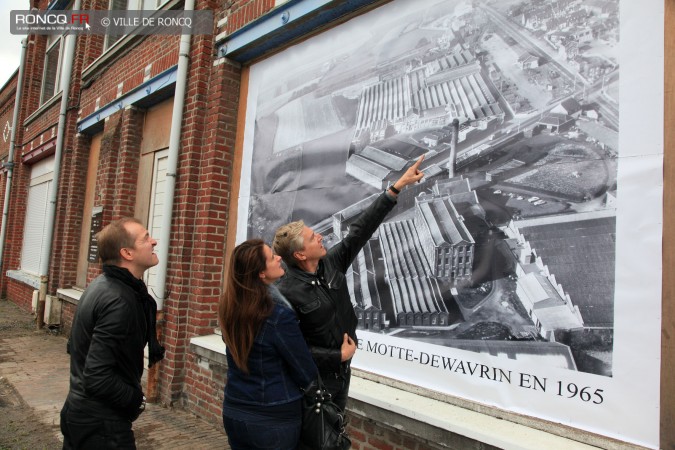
[[268, 360]]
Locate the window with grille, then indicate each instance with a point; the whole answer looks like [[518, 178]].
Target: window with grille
[[51, 77], [130, 5]]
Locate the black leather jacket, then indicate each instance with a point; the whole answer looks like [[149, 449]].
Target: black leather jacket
[[106, 351], [322, 300]]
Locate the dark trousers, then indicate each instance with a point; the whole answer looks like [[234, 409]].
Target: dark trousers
[[338, 386], [82, 431], [249, 435]]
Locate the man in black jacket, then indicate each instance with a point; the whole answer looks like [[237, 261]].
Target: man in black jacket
[[115, 319], [316, 285]]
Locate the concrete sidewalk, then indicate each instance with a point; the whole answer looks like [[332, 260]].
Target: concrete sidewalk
[[35, 363]]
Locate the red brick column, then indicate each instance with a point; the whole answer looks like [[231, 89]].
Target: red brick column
[[199, 222]]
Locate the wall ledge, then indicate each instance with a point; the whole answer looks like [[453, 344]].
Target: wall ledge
[[459, 421], [420, 415], [24, 277], [69, 295]]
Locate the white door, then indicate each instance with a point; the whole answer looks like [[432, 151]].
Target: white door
[[156, 210]]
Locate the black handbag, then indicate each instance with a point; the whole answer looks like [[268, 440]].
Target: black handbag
[[323, 422]]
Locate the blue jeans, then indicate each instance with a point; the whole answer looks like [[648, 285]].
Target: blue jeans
[[247, 435], [83, 431]]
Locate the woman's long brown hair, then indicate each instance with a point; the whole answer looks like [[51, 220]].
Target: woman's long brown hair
[[246, 302]]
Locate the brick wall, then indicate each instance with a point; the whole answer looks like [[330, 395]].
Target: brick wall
[[74, 188], [67, 313], [373, 428], [33, 71], [244, 12], [200, 215], [199, 227], [72, 182], [140, 59], [205, 391], [369, 427], [220, 82], [37, 129], [12, 249], [21, 294], [126, 170], [367, 434], [7, 101], [107, 163]]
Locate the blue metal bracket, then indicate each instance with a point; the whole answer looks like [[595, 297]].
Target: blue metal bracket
[[162, 81], [284, 24]]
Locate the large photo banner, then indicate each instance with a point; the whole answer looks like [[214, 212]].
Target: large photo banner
[[524, 270]]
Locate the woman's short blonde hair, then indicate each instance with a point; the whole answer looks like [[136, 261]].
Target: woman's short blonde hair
[[288, 240]]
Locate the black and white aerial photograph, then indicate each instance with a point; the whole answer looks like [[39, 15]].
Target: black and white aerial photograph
[[526, 262], [507, 248], [508, 244]]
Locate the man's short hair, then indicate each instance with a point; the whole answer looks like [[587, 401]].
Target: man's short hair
[[288, 240], [113, 238]]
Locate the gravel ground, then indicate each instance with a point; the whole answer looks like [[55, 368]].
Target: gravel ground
[[31, 360], [19, 426]]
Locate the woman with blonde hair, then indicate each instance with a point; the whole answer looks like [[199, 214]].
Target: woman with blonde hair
[[268, 360]]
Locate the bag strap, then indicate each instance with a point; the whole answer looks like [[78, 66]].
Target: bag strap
[[320, 387]]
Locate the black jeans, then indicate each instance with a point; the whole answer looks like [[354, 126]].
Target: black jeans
[[338, 386], [82, 431]]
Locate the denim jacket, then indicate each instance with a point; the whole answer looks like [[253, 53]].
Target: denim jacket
[[279, 363]]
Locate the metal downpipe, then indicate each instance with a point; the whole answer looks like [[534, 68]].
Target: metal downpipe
[[68, 57], [170, 187], [172, 164]]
